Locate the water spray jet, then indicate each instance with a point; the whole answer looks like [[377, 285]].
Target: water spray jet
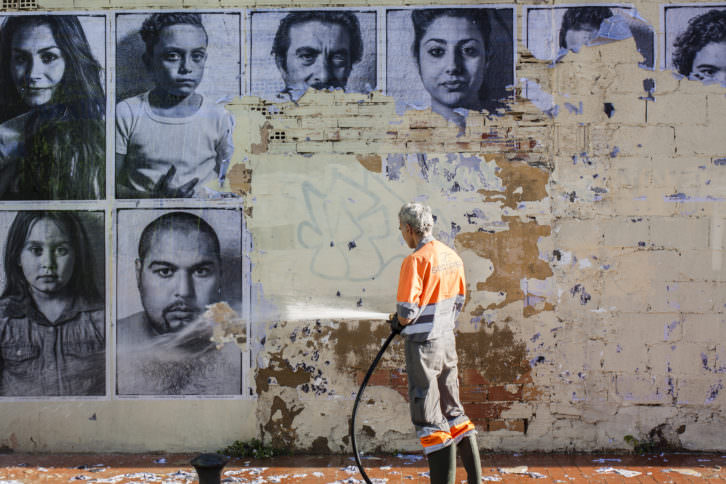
[[306, 312]]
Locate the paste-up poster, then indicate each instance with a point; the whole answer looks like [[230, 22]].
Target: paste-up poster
[[293, 51], [551, 32], [694, 42], [172, 267], [52, 107], [450, 58], [174, 73], [52, 310]]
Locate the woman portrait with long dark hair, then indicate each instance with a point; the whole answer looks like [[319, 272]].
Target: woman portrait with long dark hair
[[52, 331], [453, 60], [52, 107], [451, 47]]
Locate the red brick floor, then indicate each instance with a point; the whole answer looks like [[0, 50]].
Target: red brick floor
[[404, 469]]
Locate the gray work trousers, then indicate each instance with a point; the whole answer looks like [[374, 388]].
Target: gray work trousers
[[433, 385]]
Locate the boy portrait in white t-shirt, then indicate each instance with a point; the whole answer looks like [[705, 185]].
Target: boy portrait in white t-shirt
[[171, 140]]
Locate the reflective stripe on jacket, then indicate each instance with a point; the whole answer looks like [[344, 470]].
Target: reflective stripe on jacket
[[431, 289], [431, 442]]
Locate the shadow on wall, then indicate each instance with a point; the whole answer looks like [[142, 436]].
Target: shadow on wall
[[132, 77], [500, 74]]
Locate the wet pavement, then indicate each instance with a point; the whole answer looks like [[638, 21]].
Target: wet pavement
[[403, 468]]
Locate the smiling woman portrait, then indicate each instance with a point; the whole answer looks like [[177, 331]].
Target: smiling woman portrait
[[52, 330], [52, 107]]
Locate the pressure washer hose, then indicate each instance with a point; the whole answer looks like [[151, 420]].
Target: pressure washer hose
[[395, 329]]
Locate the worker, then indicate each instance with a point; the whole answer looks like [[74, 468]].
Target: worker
[[431, 291]]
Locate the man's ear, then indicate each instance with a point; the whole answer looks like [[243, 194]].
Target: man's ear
[[281, 67], [138, 265]]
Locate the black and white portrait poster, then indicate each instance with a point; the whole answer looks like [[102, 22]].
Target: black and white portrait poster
[[174, 73], [52, 107], [694, 43], [291, 51], [450, 58], [52, 311], [551, 32], [222, 69], [172, 265]]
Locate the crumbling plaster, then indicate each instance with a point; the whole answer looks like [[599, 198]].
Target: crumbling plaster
[[593, 247], [606, 247]]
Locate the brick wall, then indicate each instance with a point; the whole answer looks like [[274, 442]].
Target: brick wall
[[593, 246]]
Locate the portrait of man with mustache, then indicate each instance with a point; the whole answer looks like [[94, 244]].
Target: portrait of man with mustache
[[166, 349]]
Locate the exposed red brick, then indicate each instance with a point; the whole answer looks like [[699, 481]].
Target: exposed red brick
[[517, 425], [484, 410], [480, 423], [398, 378], [499, 393], [471, 376], [473, 393], [399, 382], [496, 425], [379, 377]]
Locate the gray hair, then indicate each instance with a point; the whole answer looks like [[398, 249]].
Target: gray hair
[[418, 216]]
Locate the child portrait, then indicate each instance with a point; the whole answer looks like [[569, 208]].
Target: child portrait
[[173, 133], [52, 312]]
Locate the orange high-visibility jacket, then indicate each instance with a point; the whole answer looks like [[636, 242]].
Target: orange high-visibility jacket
[[431, 289]]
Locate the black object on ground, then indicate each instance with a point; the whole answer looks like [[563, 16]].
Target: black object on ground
[[209, 467]]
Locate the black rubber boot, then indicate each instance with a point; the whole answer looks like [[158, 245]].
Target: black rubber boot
[[442, 465], [469, 451]]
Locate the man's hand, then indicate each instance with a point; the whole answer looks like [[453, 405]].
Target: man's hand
[[397, 322]]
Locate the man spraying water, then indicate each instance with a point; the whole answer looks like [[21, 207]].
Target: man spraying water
[[431, 291]]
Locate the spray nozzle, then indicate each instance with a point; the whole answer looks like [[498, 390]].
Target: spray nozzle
[[395, 324]]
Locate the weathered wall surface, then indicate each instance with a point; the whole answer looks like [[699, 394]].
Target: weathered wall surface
[[593, 247]]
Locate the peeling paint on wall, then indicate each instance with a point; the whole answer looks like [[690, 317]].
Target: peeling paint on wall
[[280, 426], [589, 216], [371, 162], [280, 372], [495, 353], [514, 255], [522, 183]]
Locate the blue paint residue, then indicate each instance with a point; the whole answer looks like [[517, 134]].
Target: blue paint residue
[[669, 329], [713, 392]]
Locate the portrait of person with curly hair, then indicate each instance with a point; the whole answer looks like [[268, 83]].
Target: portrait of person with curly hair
[[699, 52]]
